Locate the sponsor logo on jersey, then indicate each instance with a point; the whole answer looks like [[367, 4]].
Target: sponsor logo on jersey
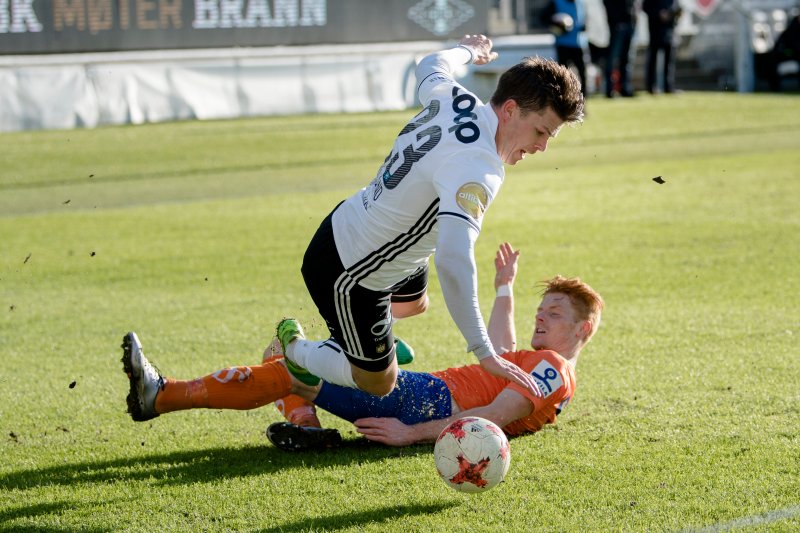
[[547, 378], [472, 199]]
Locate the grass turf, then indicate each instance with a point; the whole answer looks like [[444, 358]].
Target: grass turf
[[191, 234]]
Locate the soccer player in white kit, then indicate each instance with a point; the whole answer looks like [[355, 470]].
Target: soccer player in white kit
[[368, 262]]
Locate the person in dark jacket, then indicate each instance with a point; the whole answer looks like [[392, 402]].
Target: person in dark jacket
[[662, 15], [621, 15], [787, 48]]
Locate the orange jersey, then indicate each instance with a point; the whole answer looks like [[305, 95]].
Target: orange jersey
[[471, 386]]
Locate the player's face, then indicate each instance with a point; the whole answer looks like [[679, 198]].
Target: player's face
[[521, 133], [556, 327]]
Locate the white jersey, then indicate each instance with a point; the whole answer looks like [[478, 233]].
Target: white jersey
[[444, 163]]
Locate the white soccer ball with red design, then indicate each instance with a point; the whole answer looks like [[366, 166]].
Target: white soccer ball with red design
[[472, 454]]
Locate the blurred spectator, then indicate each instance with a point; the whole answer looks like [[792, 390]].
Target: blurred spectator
[[787, 48], [662, 15], [566, 19], [621, 15]]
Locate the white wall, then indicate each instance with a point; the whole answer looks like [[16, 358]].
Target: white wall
[[88, 90]]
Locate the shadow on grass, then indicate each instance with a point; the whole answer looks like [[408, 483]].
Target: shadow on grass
[[374, 516], [34, 511], [328, 523], [212, 464]]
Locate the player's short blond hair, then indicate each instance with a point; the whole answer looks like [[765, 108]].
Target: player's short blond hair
[[586, 302]]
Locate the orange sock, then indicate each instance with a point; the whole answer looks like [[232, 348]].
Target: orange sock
[[293, 408], [239, 387], [298, 411]]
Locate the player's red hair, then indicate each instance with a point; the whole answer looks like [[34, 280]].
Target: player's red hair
[[586, 302]]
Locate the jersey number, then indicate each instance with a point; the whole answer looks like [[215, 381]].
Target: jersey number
[[432, 136], [464, 127]]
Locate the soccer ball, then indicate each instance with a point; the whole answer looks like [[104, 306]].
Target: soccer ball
[[472, 454], [561, 23]]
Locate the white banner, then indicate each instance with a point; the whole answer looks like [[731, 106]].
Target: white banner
[[88, 90]]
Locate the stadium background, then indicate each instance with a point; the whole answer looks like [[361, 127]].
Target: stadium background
[[86, 63]]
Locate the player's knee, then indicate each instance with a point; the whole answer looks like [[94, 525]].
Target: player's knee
[[407, 309], [422, 304], [376, 383]]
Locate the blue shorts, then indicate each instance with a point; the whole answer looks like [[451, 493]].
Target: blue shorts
[[417, 397]]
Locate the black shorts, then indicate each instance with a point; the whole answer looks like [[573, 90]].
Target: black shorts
[[359, 319]]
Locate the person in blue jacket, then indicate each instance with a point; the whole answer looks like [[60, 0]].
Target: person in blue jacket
[[571, 42]]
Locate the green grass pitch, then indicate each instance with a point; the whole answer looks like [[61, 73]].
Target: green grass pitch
[[686, 416]]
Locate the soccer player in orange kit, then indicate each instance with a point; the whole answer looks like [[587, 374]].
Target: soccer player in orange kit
[[422, 404]]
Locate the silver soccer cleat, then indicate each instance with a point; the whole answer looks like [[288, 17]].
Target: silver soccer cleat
[[145, 380]]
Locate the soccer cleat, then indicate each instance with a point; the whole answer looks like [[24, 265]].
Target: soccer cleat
[[403, 352], [289, 330], [145, 380], [293, 438]]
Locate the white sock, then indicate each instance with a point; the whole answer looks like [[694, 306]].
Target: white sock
[[323, 359]]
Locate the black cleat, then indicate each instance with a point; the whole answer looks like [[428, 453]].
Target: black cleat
[[293, 438]]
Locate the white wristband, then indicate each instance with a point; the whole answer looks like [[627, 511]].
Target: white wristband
[[503, 290]]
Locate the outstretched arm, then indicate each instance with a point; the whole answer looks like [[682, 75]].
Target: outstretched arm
[[507, 407], [475, 49], [501, 328]]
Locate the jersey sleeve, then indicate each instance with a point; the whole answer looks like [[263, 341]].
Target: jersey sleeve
[[437, 69], [455, 264]]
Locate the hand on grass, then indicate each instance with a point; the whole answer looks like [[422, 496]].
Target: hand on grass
[[386, 430]]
